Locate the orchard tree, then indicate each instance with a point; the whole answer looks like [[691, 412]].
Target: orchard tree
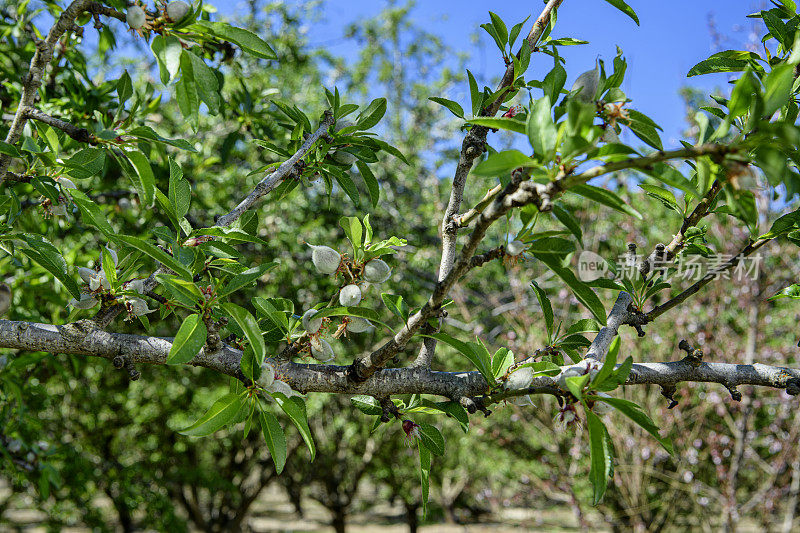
[[71, 140]]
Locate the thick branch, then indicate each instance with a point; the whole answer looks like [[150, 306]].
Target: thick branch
[[618, 316], [471, 148], [82, 339]]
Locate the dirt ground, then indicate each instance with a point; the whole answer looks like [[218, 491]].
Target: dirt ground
[[273, 513]]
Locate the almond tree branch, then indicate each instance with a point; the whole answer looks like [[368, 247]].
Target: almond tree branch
[[273, 179], [516, 194], [82, 339], [471, 148], [705, 280], [79, 134], [630, 163], [668, 253], [41, 58]]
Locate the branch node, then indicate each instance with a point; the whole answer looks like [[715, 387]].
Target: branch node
[[668, 392], [389, 409], [468, 404], [132, 372], [793, 386], [685, 346], [735, 394], [636, 319]]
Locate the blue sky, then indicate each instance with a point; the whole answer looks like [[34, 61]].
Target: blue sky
[[673, 36]]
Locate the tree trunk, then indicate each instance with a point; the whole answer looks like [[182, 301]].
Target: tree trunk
[[411, 517], [339, 520]]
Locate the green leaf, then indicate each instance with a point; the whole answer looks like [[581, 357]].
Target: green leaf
[[545, 368], [367, 405], [635, 413], [584, 325], [777, 28], [541, 130], [480, 358], [582, 291], [646, 133], [609, 364], [454, 107], [424, 475], [553, 83], [295, 408], [91, 213], [551, 245], [276, 439], [188, 342], [156, 253], [124, 88], [783, 225], [221, 413], [547, 308], [373, 188], [186, 93], [576, 384], [354, 230], [502, 163], [146, 132], [792, 291], [601, 454], [186, 292], [249, 326], [726, 61], [476, 97], [618, 377], [431, 438], [566, 217], [372, 114], [85, 163], [499, 123], [347, 185], [167, 51], [662, 195], [605, 197], [501, 361], [777, 88], [625, 8], [396, 305], [205, 80], [49, 258], [499, 27], [109, 268], [180, 192], [246, 40], [245, 278], [144, 180], [669, 175], [363, 312]]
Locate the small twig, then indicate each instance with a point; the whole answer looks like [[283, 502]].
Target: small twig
[[274, 178], [705, 280], [79, 134]]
